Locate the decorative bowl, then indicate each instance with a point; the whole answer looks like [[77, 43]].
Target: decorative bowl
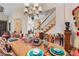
[[35, 52], [36, 42], [12, 39], [57, 51]]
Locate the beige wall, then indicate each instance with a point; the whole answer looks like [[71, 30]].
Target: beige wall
[[63, 14], [59, 27], [18, 14]]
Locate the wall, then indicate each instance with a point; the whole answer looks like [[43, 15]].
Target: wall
[[59, 27], [18, 13], [63, 14], [68, 14]]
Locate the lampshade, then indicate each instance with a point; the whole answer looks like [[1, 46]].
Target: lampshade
[[25, 10], [34, 8], [40, 8], [37, 12], [36, 5], [27, 5], [30, 12]]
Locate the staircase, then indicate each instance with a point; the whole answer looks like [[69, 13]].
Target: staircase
[[49, 21]]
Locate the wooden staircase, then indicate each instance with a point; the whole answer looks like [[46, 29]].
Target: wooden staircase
[[49, 21], [50, 25]]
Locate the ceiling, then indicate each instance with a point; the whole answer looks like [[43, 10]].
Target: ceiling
[[9, 7]]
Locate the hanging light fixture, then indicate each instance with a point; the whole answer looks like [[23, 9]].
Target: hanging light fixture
[[32, 9]]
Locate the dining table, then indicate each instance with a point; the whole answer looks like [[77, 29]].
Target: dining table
[[21, 48]]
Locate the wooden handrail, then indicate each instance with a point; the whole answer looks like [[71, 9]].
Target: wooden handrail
[[48, 16], [49, 28], [50, 22]]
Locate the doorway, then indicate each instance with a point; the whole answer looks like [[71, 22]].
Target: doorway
[[3, 26], [17, 25]]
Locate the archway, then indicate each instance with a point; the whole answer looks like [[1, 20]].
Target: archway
[[17, 25]]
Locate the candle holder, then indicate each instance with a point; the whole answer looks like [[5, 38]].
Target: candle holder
[[67, 24]]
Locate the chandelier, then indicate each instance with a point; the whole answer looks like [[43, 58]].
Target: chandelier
[[32, 9]]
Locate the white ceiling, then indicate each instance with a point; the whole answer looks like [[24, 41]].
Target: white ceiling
[[9, 7]]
